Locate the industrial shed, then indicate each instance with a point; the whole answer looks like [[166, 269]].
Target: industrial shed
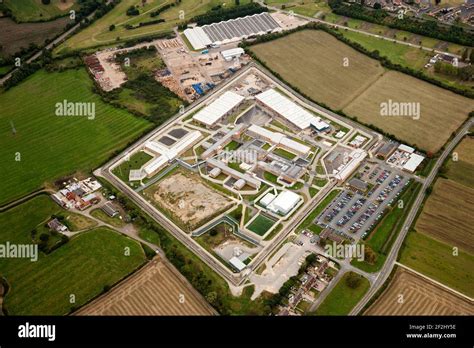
[[290, 111], [219, 108], [231, 30]]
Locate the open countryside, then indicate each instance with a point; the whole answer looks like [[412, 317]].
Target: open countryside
[[156, 289], [39, 146], [419, 297]]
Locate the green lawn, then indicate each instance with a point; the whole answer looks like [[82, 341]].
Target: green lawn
[[137, 160], [81, 267], [113, 221], [436, 260], [260, 225], [283, 153], [34, 10], [342, 298], [53, 146]]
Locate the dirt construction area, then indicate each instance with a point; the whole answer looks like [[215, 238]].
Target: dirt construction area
[[156, 289], [418, 296], [187, 199]]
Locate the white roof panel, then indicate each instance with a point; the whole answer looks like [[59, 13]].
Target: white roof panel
[[291, 111], [413, 162], [237, 263], [198, 38], [406, 148], [218, 108]]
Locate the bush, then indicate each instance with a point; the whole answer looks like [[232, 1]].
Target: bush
[[353, 280]]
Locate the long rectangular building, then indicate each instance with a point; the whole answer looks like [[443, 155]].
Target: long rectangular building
[[215, 111], [279, 139], [250, 180], [231, 30], [290, 111], [165, 154]]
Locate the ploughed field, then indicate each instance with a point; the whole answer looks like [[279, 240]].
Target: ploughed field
[[156, 289], [411, 294]]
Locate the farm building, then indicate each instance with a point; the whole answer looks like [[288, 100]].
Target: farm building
[[291, 112], [110, 209], [230, 31], [276, 138], [215, 111], [166, 154]]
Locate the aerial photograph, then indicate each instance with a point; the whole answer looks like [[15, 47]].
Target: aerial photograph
[[301, 168]]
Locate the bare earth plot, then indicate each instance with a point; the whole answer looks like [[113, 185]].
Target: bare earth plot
[[420, 297], [15, 36], [441, 111], [187, 199], [156, 289], [447, 215], [313, 61]]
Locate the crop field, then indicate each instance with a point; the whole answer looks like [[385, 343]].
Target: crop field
[[156, 289], [99, 33], [34, 10], [462, 169], [437, 261], [420, 297], [14, 36], [441, 111], [260, 225], [49, 146], [81, 267], [447, 215], [320, 72]]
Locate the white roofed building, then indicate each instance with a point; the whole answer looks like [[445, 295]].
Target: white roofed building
[[279, 139], [290, 111], [228, 55], [284, 202], [167, 154], [215, 111], [413, 163]]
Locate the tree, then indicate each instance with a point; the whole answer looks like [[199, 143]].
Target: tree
[[45, 2], [377, 6], [353, 280], [237, 2], [112, 27], [471, 56]]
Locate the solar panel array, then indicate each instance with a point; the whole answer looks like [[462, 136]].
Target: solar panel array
[[240, 27]]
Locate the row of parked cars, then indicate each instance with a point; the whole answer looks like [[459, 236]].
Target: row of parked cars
[[351, 212]]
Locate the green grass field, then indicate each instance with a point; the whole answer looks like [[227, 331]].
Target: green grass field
[[52, 146], [34, 10], [436, 260], [342, 298], [283, 153], [260, 225], [81, 267], [137, 160], [99, 34]]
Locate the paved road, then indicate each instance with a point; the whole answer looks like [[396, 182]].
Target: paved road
[[392, 256]]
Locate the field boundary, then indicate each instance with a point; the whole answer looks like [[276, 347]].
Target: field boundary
[[434, 281]]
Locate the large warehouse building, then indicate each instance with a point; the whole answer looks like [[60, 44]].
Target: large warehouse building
[[231, 30], [291, 112], [215, 111]]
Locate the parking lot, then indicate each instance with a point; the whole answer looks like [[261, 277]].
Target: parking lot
[[355, 213]]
